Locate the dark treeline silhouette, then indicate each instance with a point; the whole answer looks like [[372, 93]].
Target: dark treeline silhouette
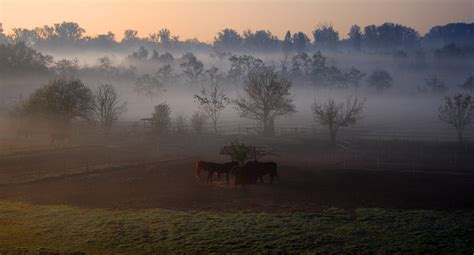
[[372, 38]]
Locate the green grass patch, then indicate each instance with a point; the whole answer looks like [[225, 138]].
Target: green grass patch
[[26, 229]]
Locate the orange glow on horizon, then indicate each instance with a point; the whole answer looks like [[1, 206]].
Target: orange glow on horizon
[[203, 19]]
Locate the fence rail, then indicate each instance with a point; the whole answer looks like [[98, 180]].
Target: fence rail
[[431, 132]]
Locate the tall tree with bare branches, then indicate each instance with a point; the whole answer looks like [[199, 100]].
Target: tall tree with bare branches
[[212, 100], [458, 111], [266, 96], [107, 106], [337, 115]]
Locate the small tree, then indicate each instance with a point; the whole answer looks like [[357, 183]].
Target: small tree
[[198, 120], [266, 96], [212, 100], [107, 106], [458, 111], [161, 119], [380, 80], [337, 115]]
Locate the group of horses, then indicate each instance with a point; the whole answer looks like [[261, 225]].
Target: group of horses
[[247, 174]]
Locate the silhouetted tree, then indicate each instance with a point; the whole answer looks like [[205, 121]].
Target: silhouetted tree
[[261, 40], [380, 80], [355, 37], [27, 36], [300, 41], [390, 36], [241, 65], [161, 119], [287, 44], [266, 95], [191, 66], [107, 106], [166, 40], [212, 99], [103, 41], [130, 35], [19, 58], [458, 111], [325, 36], [458, 33], [67, 69], [228, 39], [68, 31], [61, 100], [337, 115]]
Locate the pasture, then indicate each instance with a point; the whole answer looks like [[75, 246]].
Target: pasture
[[136, 195]]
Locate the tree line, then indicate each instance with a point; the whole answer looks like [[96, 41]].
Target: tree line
[[372, 38], [265, 96]]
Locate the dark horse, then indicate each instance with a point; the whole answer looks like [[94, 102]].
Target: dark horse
[[254, 170], [214, 168]]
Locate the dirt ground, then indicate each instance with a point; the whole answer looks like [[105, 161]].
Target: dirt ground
[[172, 184]]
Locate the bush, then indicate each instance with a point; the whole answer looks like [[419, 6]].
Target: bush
[[161, 119]]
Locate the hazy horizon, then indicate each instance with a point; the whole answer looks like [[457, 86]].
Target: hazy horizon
[[203, 19]]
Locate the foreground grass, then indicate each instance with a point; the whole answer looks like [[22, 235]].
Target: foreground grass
[[28, 229]]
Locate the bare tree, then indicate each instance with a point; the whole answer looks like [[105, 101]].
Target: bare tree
[[337, 115], [266, 96], [212, 100], [458, 111], [107, 106]]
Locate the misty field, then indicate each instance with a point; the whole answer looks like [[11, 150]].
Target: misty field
[[151, 143], [48, 229]]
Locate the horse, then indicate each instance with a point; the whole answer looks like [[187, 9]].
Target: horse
[[259, 169], [216, 168], [59, 138], [225, 168]]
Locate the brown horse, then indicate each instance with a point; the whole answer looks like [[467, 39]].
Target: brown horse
[[263, 168], [214, 168], [254, 170]]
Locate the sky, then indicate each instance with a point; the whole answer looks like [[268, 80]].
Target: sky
[[203, 19]]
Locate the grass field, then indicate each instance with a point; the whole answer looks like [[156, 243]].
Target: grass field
[[29, 228]]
